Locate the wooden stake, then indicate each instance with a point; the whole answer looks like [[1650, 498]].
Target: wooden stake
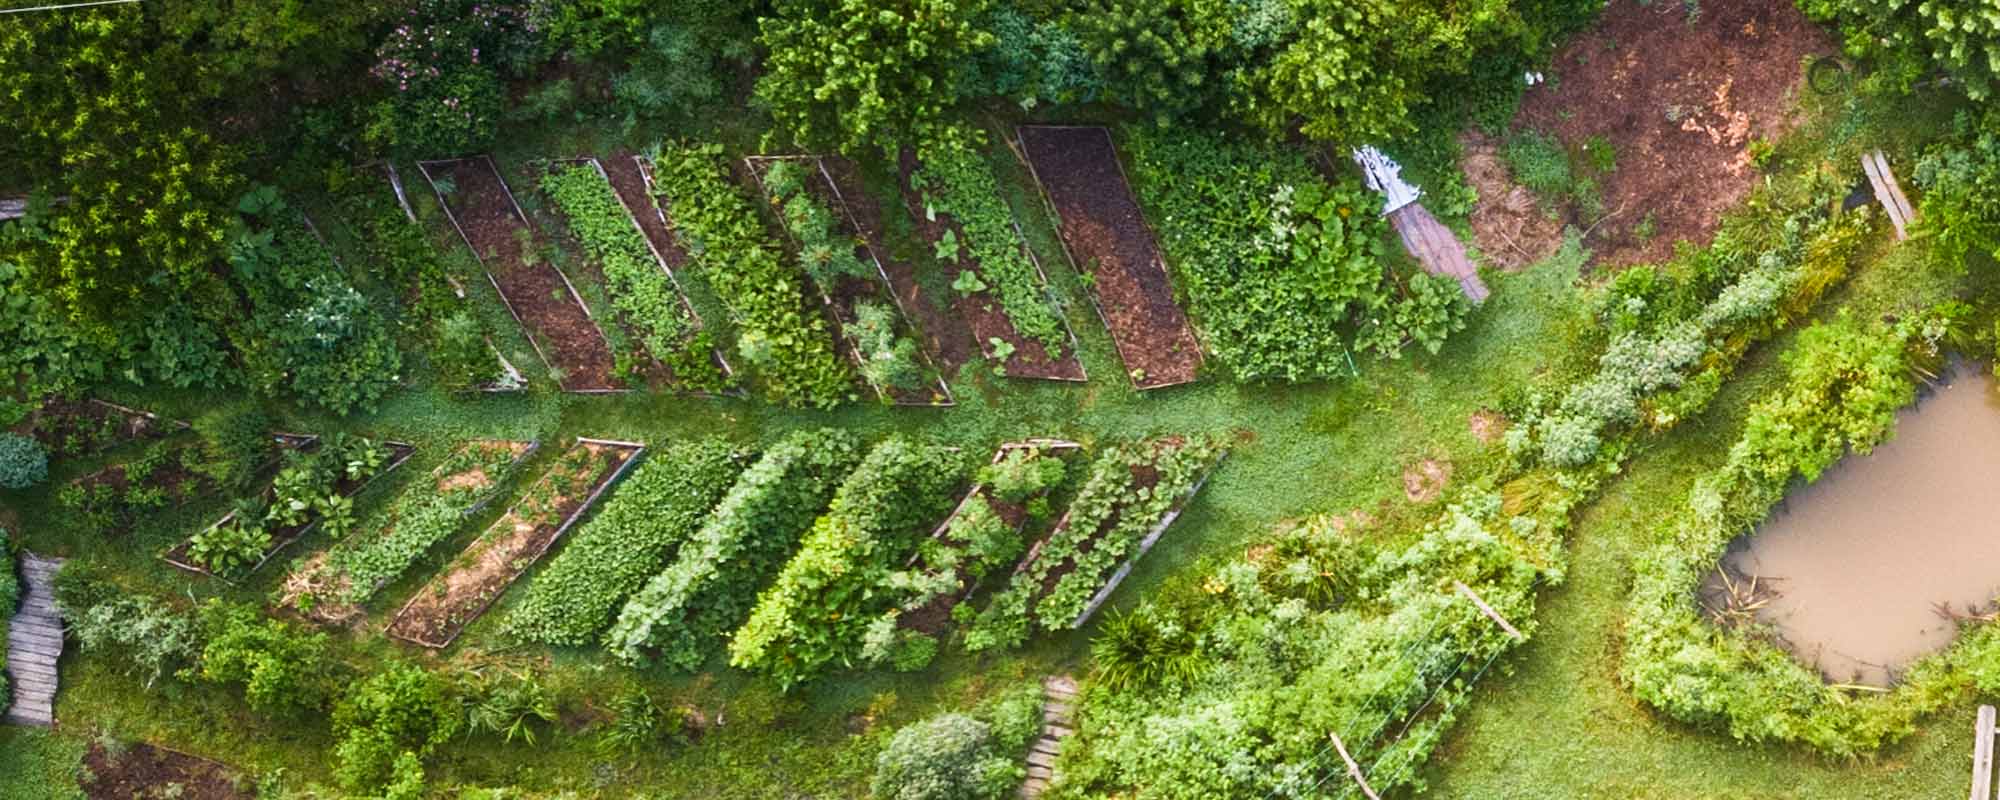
[[1488, 610], [1982, 755], [1353, 769]]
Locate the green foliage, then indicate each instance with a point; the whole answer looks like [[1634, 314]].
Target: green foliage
[[859, 74], [652, 512], [887, 360], [150, 638], [947, 757], [710, 587], [510, 706], [403, 709], [826, 250], [1961, 37], [22, 462], [1959, 179], [283, 670], [443, 62], [1164, 57], [817, 613], [1032, 61], [10, 584], [231, 548], [640, 726], [1022, 473], [955, 182], [781, 335], [640, 289], [1539, 162]]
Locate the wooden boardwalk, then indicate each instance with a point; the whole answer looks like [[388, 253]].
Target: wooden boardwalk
[[1890, 193], [34, 642], [1058, 702], [1437, 248]]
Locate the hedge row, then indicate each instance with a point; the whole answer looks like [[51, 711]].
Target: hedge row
[[709, 588], [651, 513], [831, 604]]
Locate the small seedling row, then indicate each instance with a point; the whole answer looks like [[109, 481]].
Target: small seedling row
[[842, 309], [487, 225], [440, 610], [988, 320], [1109, 245], [934, 617], [179, 555]]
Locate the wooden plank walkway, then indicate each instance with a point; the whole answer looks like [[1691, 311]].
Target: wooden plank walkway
[[1437, 248], [1982, 755], [1058, 703], [34, 643], [1890, 193]]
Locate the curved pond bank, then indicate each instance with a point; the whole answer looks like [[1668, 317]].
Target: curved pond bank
[[1855, 571]]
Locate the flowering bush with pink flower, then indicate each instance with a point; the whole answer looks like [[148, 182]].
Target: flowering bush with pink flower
[[443, 63]]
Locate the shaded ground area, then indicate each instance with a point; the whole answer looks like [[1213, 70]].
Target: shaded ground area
[[132, 771], [1681, 92]]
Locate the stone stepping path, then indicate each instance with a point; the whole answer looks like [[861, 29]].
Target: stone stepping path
[[34, 643], [1058, 702]]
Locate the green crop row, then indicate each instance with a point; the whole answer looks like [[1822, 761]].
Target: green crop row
[[955, 182]]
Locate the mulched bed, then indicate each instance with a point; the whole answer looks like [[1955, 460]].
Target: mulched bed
[[140, 771], [74, 428], [539, 296], [440, 611], [283, 537], [983, 315], [944, 334], [850, 291], [1680, 101], [644, 366], [935, 618], [1107, 238]]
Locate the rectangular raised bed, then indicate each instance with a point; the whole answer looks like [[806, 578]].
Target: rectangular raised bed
[[281, 538], [440, 610], [935, 616], [539, 296], [947, 337], [840, 303], [1106, 239], [680, 293], [980, 311]]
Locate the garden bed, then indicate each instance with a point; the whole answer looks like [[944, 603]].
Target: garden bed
[[322, 588], [441, 610], [74, 428], [140, 771], [845, 294], [982, 311], [181, 555], [537, 294], [934, 617], [945, 334], [1106, 239]]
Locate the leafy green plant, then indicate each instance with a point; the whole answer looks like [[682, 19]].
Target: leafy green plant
[[282, 668], [955, 182], [510, 706], [22, 462], [858, 74], [231, 548], [887, 360], [402, 710], [947, 757]]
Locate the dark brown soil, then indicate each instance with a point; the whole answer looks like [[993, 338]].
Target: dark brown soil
[[935, 618], [141, 771], [628, 179], [168, 478], [1681, 91], [1106, 235], [86, 427], [945, 335], [442, 608], [642, 367], [982, 313], [1509, 223], [560, 327]]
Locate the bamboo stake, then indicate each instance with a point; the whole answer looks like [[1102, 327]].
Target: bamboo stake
[[1353, 769], [1488, 610]]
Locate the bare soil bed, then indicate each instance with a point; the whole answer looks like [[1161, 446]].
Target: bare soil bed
[[1681, 91], [536, 292], [441, 610], [849, 291], [1106, 236], [945, 335], [982, 313], [141, 771], [282, 537]]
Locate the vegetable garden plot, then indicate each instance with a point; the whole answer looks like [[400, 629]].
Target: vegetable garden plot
[[297, 503], [72, 428], [441, 609], [651, 307], [330, 587], [1132, 494], [111, 500], [983, 532], [1001, 290], [1106, 239], [946, 337], [538, 294], [852, 284]]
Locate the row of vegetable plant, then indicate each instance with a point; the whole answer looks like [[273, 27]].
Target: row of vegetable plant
[[710, 587], [640, 288], [783, 337], [648, 518], [333, 585], [831, 606], [1283, 270], [1130, 489], [314, 486], [985, 532]]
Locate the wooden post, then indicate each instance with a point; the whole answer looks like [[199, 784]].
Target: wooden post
[[1488, 610], [1353, 769], [1982, 755]]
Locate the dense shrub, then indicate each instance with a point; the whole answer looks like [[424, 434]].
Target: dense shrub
[[22, 462], [947, 757], [143, 636], [654, 510], [858, 74], [1961, 37], [712, 583], [443, 63], [282, 669], [401, 713], [816, 616], [1960, 178]]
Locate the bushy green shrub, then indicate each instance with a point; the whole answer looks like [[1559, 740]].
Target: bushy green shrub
[[510, 706], [283, 669], [947, 757], [403, 709], [1959, 178], [887, 360], [235, 443], [1913, 39], [1022, 473], [859, 74], [149, 637], [22, 462]]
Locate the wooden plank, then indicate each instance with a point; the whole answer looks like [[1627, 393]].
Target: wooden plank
[[1982, 755], [1488, 610], [1353, 769], [1886, 191]]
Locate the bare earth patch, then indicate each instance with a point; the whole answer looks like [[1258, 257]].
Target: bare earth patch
[[1487, 425], [1508, 223], [1425, 480]]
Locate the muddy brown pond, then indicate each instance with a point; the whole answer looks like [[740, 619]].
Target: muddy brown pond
[[1854, 569]]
